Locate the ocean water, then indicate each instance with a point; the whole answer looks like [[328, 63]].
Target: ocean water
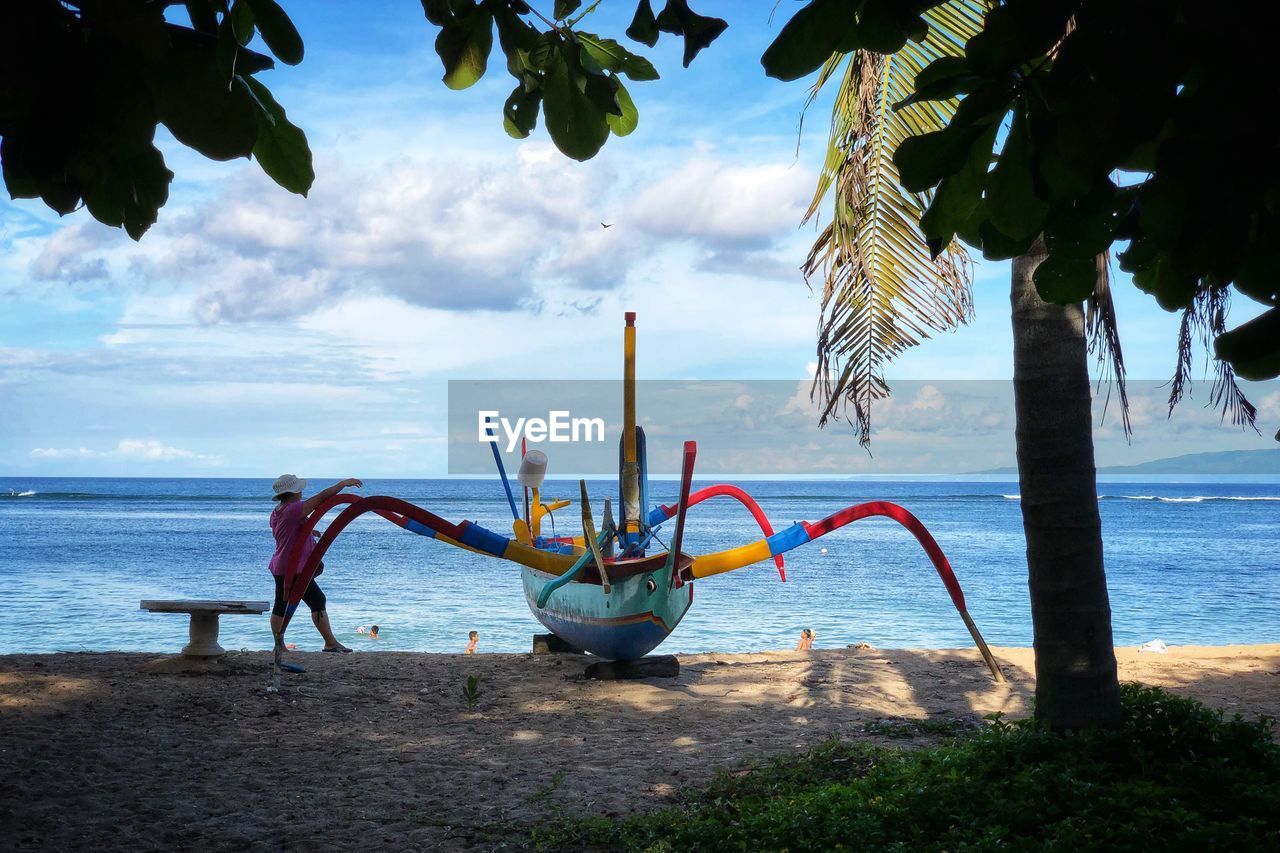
[[1186, 562]]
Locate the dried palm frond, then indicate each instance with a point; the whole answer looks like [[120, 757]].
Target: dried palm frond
[[1104, 341], [1204, 319], [882, 292]]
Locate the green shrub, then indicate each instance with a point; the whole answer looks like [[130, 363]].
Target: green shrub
[[1176, 775]]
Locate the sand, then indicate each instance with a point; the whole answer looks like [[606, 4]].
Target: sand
[[379, 751]]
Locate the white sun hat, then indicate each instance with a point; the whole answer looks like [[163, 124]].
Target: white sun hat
[[287, 484]]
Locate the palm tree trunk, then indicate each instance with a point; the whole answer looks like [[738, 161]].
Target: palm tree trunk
[[1076, 684]]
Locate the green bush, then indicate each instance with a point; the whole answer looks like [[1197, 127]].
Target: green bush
[[1176, 775]]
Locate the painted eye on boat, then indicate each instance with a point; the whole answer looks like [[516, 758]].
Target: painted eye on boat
[[651, 585]]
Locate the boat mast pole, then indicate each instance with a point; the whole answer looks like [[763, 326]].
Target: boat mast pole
[[629, 476]]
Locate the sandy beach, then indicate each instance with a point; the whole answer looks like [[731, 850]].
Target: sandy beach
[[126, 752]]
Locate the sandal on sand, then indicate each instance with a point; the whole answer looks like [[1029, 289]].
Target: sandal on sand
[[339, 650]]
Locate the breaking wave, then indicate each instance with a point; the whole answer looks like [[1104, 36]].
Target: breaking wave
[[1191, 499]]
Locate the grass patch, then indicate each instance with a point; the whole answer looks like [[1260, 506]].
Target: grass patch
[[1176, 775]]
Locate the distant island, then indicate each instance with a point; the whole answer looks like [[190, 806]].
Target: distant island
[[1221, 462]]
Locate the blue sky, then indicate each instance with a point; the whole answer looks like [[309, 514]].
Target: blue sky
[[252, 332]]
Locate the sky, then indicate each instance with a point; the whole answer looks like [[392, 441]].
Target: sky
[[252, 331]]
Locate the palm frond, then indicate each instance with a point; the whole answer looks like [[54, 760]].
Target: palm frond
[[881, 291], [1205, 319], [1104, 341]]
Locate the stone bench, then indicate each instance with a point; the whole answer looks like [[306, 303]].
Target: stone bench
[[204, 620]]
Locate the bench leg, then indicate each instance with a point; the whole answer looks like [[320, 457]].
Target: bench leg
[[204, 637]]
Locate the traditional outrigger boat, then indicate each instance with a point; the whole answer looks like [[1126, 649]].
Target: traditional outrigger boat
[[610, 592]]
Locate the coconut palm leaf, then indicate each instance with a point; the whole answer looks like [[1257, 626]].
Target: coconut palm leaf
[[882, 292], [1206, 318], [1104, 342]]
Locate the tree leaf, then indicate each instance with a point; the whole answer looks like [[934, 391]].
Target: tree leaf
[[644, 26], [464, 46], [565, 8], [541, 53], [1173, 289], [612, 56], [958, 194], [941, 80], [629, 119], [281, 148], [925, 160], [228, 48], [148, 191], [698, 30], [193, 100], [277, 30], [1016, 32], [809, 38], [520, 112], [242, 22], [1012, 204], [18, 179], [577, 126], [1058, 179], [514, 34], [1253, 348], [1066, 280], [600, 89], [124, 188], [439, 12], [998, 246], [1080, 232], [203, 17], [883, 25], [35, 167], [1258, 275]]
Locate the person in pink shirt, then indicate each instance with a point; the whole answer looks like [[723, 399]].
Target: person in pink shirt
[[286, 526]]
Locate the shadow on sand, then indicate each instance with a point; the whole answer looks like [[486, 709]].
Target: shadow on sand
[[107, 751]]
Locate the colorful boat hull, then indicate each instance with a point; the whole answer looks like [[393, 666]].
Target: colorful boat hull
[[625, 624]]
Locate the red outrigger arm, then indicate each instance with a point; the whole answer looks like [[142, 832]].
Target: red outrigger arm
[[930, 545], [805, 532], [726, 490], [899, 514], [398, 512]]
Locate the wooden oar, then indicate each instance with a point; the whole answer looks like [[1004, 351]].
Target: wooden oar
[[589, 532], [686, 480]]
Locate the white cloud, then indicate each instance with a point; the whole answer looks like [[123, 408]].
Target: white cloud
[[149, 450], [457, 234], [725, 206], [70, 254], [63, 453], [928, 398]]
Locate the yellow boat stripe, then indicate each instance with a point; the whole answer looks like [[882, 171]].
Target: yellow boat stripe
[[727, 561]]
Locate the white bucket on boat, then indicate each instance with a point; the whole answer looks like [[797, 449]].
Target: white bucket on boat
[[533, 469]]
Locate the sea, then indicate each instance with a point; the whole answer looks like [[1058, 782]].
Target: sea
[[1187, 563]]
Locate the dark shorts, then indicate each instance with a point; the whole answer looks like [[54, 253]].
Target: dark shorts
[[313, 597]]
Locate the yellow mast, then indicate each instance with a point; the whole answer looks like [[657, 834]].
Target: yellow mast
[[630, 474]]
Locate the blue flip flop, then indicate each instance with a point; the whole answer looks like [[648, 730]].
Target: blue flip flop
[[292, 667]]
